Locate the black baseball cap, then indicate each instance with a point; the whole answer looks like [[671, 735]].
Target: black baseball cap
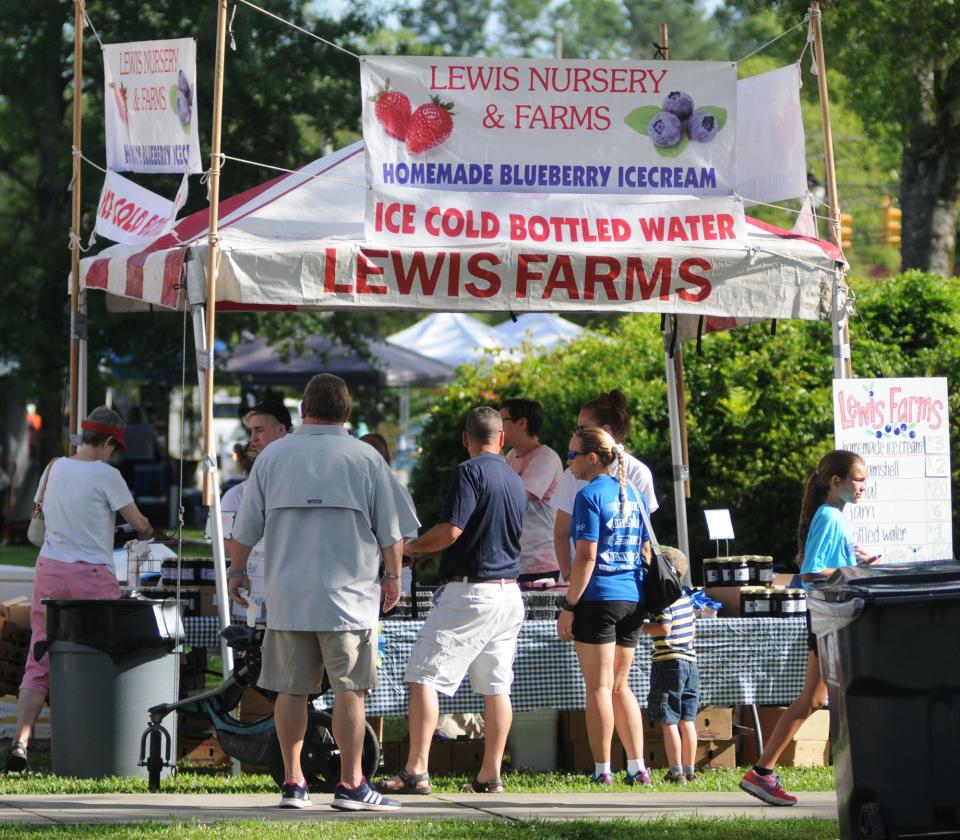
[[275, 409]]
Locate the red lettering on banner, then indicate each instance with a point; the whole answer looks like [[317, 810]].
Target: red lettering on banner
[[453, 275], [652, 229], [475, 267], [675, 230], [525, 273], [418, 268], [594, 274], [330, 284], [562, 277], [725, 223], [662, 272], [365, 269], [395, 217], [636, 274], [702, 283]]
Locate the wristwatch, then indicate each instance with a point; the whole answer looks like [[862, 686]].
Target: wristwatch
[[564, 604], [235, 573]]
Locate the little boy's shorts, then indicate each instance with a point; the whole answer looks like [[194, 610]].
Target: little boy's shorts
[[674, 691]]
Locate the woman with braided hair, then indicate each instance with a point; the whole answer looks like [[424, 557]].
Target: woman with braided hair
[[826, 543], [604, 610]]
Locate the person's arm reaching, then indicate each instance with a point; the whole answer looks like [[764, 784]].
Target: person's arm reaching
[[132, 515]]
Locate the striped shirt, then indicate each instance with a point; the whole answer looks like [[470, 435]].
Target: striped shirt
[[679, 643]]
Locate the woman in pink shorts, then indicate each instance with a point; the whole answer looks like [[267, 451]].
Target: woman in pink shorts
[[81, 497]]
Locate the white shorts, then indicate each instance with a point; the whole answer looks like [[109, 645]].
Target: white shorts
[[472, 628]]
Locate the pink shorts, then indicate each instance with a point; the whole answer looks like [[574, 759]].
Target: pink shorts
[[54, 579]]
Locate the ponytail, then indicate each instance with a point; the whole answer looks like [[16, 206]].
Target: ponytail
[[839, 463], [607, 451], [621, 478]]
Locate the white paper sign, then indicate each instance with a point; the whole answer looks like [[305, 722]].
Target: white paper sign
[[572, 126], [771, 150], [150, 103], [901, 430], [130, 214]]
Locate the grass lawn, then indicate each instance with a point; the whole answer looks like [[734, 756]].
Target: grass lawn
[[194, 545], [666, 829]]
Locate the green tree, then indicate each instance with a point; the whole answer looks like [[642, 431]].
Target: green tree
[[280, 118]]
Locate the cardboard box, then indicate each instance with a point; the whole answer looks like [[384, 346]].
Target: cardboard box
[[393, 756], [573, 725], [714, 723], [797, 753], [815, 728], [14, 653], [710, 755], [576, 756], [16, 611], [205, 751], [729, 596], [253, 705], [8, 720], [10, 632]]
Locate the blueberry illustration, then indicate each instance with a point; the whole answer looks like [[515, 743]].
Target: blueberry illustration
[[887, 428], [184, 99], [702, 126], [879, 434], [896, 431], [665, 129], [679, 104], [903, 427], [913, 435]]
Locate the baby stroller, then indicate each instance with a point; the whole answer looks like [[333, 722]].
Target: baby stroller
[[252, 742]]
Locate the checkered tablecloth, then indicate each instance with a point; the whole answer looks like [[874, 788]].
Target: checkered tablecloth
[[742, 661]]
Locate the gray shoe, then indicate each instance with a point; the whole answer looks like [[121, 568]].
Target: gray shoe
[[676, 777]]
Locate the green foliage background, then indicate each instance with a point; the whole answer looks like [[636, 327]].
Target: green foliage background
[[759, 404]]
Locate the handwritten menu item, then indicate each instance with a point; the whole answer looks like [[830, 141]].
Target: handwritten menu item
[[901, 430]]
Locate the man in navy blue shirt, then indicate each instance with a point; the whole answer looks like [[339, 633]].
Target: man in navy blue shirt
[[473, 626]]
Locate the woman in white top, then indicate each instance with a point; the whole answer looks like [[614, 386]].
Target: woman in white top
[[82, 496], [608, 411]]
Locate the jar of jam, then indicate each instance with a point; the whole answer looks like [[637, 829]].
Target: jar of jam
[[740, 571], [763, 568], [778, 602], [796, 601], [726, 571], [711, 572], [755, 602]]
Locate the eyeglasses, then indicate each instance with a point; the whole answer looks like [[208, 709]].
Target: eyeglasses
[[572, 453]]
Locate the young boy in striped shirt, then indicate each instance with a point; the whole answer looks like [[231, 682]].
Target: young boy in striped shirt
[[674, 679]]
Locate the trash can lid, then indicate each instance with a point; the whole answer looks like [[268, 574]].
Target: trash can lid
[[117, 626], [904, 582]]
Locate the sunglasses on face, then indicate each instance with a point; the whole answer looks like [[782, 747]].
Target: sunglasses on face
[[572, 453]]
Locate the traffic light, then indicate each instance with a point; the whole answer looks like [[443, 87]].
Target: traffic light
[[891, 222], [846, 230]]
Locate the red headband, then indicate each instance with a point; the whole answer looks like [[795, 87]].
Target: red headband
[[111, 431]]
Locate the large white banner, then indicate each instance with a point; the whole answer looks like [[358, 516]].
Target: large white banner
[[901, 429], [150, 103], [521, 125], [771, 149], [130, 214], [422, 217]]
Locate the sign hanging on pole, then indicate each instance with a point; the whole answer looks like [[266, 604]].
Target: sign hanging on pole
[[150, 103], [130, 214]]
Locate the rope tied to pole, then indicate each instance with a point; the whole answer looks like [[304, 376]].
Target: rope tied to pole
[[300, 29], [762, 47]]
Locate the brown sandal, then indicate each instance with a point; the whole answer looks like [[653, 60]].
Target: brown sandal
[[476, 786], [410, 783]]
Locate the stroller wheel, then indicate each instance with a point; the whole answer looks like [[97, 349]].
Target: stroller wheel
[[320, 757]]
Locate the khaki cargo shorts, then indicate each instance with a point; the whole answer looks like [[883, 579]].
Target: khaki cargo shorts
[[294, 660]]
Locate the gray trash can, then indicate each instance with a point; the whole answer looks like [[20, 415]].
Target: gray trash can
[[110, 660], [888, 638]]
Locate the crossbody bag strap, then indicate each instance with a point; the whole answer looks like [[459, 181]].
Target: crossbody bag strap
[[46, 478], [646, 521]]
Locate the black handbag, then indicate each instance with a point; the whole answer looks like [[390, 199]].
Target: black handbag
[[661, 585]]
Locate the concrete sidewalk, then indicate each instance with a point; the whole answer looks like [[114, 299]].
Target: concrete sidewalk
[[128, 808]]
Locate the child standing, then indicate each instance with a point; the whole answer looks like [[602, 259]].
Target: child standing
[[826, 543], [675, 679]]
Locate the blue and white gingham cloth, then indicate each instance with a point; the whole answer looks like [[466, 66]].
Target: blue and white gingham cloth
[[742, 661]]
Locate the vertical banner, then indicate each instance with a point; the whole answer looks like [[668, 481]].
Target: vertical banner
[[901, 430], [771, 147], [538, 126], [150, 103]]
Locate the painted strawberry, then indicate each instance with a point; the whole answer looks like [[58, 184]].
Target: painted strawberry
[[120, 95], [392, 110], [430, 125]]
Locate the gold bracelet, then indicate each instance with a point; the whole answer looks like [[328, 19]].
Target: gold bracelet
[[235, 573], [391, 575]]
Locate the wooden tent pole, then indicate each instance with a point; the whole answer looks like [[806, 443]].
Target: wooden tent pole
[[843, 368], [213, 261], [76, 327]]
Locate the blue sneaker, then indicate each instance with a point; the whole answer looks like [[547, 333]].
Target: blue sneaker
[[641, 777], [362, 798], [295, 796], [604, 779]]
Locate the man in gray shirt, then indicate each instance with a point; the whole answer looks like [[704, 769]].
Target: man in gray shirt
[[324, 504]]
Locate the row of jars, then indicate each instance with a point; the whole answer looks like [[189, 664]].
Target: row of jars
[[772, 602], [745, 570]]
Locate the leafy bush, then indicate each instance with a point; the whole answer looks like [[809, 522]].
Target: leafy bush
[[759, 404]]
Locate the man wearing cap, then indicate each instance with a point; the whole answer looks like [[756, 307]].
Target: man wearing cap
[[473, 626], [80, 497], [267, 421], [323, 502]]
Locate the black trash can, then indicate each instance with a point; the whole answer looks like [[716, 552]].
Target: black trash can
[[889, 645], [110, 661]]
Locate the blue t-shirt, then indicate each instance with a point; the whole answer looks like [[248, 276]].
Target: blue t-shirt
[[485, 498], [829, 543], [618, 573]]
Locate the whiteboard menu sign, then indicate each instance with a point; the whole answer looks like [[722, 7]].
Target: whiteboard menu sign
[[901, 430]]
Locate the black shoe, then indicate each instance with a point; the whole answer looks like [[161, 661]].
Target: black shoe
[[17, 758]]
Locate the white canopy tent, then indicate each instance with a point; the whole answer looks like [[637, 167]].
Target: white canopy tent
[[540, 329], [450, 337]]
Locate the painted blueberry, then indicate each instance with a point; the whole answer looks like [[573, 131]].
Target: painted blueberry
[[702, 126], [184, 99], [679, 103], [665, 129], [903, 427], [887, 428], [879, 434], [913, 435], [896, 431]]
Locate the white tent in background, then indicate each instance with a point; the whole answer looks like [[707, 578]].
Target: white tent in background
[[541, 329], [450, 337]]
